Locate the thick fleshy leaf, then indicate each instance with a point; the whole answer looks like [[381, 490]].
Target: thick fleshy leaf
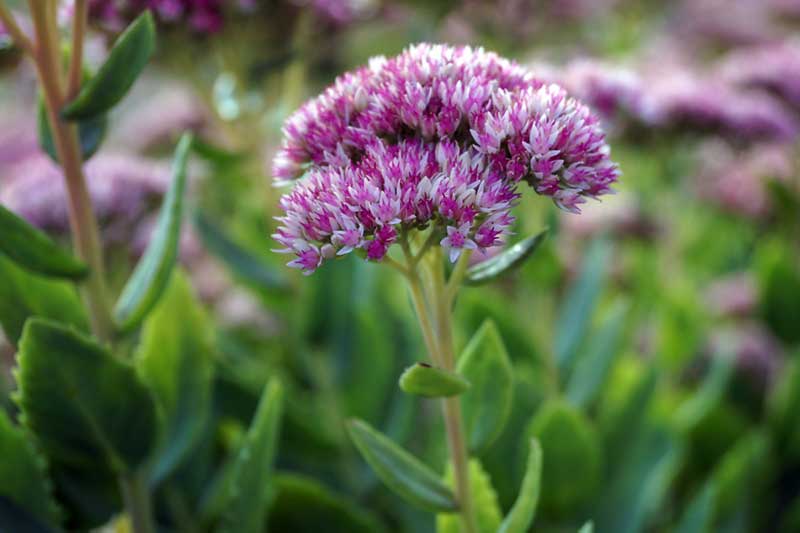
[[484, 503], [23, 476], [711, 392], [250, 483], [579, 303], [303, 505], [152, 273], [14, 518], [700, 512], [85, 407], [400, 471], [593, 367], [425, 380], [175, 360], [569, 445], [487, 403], [520, 517], [588, 527], [23, 295], [91, 133], [34, 250], [117, 75], [241, 262], [504, 262]]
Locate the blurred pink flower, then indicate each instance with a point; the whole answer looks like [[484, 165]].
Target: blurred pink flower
[[774, 67], [735, 295]]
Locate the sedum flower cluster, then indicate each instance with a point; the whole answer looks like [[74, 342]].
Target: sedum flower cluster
[[437, 136]]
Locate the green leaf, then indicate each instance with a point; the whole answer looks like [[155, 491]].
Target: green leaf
[[112, 82], [91, 133], [784, 408], [588, 527], [14, 518], [23, 295], [779, 287], [484, 503], [242, 263], [700, 512], [487, 404], [504, 262], [400, 471], [592, 369], [569, 444], [250, 482], [739, 472], [425, 380], [175, 361], [151, 276], [692, 412], [23, 477], [303, 505], [86, 407], [520, 517], [34, 250], [580, 301]]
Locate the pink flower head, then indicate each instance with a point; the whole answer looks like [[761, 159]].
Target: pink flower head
[[438, 136]]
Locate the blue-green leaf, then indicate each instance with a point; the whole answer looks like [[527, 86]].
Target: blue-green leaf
[[14, 518], [588, 527], [151, 276], [425, 380], [34, 250], [175, 360], [520, 517], [700, 512], [251, 479], [23, 476], [112, 82], [487, 403], [692, 411], [592, 369], [400, 471], [242, 263], [504, 262], [91, 133], [87, 408], [580, 302]]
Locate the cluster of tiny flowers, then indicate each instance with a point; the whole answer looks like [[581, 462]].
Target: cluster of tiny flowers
[[436, 136]]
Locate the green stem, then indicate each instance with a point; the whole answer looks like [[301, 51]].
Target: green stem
[[137, 502], [438, 334], [83, 223]]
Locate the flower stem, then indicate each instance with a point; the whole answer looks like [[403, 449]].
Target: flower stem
[[13, 29], [137, 502], [438, 334], [83, 223]]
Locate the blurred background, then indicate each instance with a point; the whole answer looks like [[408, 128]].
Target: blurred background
[[654, 336]]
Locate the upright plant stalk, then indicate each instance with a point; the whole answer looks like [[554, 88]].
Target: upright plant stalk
[[434, 312], [85, 232]]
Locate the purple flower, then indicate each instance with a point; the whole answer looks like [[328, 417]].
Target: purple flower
[[436, 136], [775, 68]]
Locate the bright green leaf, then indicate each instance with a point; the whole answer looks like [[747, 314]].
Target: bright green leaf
[[91, 133], [303, 505], [588, 527], [487, 404], [242, 263], [592, 369], [152, 273], [85, 406], [484, 503], [425, 380], [23, 477], [34, 250], [504, 262], [250, 482], [570, 445], [175, 360], [739, 472], [23, 295], [520, 517], [580, 302], [400, 471], [112, 82]]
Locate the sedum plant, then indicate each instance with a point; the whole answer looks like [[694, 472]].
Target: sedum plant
[[428, 150], [112, 399]]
